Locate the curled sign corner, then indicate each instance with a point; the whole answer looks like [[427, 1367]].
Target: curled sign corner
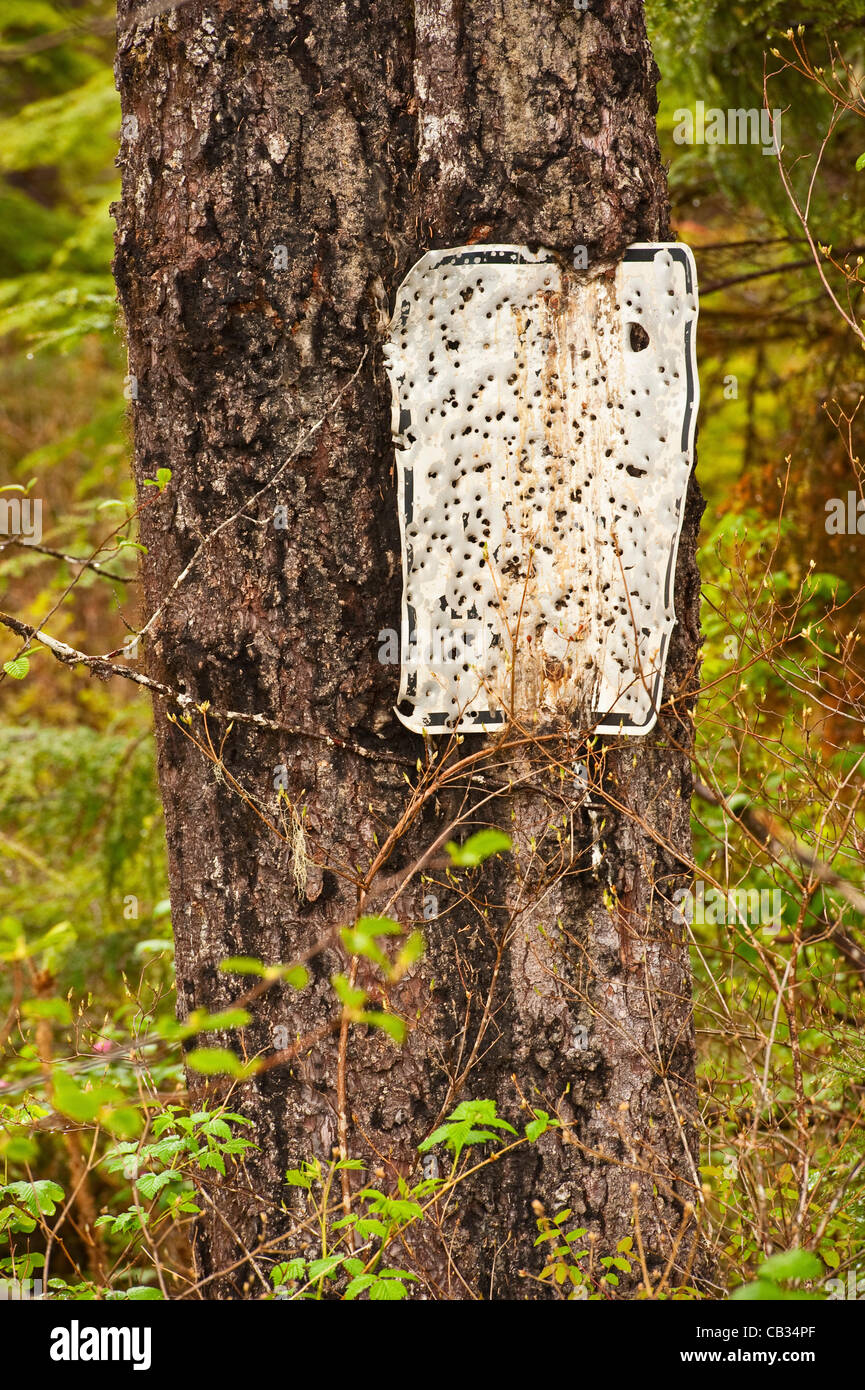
[[544, 429]]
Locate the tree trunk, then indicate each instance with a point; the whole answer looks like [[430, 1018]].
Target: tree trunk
[[286, 166]]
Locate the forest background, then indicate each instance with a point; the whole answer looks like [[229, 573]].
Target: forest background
[[85, 931]]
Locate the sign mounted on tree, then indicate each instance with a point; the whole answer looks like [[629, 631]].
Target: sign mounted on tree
[[544, 428]]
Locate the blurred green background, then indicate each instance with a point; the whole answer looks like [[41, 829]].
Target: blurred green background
[[84, 920]]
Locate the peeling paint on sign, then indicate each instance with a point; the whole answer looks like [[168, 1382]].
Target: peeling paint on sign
[[544, 428]]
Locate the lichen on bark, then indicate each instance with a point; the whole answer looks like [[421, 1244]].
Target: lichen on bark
[[289, 164]]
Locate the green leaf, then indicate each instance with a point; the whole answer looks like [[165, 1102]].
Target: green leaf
[[211, 1159], [760, 1292], [368, 1226], [84, 1105], [358, 1284], [149, 1184], [242, 965], [217, 1128], [162, 479], [791, 1264], [324, 1269], [378, 926], [538, 1126], [349, 997], [17, 1148], [357, 944], [57, 1010], [154, 946], [295, 1178], [393, 1209], [18, 668], [200, 1021], [477, 848], [289, 1269], [123, 1119], [411, 951], [391, 1024], [387, 1291], [39, 1198], [860, 163], [295, 975], [459, 1129], [764, 1291], [13, 1220], [219, 1061]]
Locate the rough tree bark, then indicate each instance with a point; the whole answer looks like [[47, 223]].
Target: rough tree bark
[[356, 136]]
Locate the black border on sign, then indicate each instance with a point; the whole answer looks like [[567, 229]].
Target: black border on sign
[[503, 255]]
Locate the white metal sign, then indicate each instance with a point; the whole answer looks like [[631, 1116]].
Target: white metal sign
[[544, 428]]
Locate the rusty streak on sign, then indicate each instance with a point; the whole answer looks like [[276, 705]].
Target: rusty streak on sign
[[544, 429]]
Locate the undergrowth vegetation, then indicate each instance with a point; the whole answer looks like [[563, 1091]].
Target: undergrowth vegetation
[[102, 1166]]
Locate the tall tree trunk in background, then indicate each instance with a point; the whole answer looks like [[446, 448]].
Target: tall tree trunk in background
[[357, 136]]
